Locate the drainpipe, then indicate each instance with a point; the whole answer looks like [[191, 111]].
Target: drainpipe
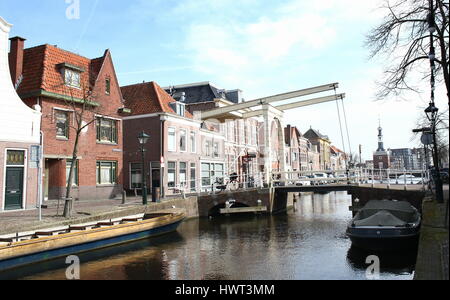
[[161, 154], [40, 174]]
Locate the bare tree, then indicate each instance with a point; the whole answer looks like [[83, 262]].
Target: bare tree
[[84, 114], [404, 38]]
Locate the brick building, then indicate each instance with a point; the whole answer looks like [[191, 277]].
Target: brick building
[[292, 136], [183, 154], [62, 83], [323, 144], [381, 157]]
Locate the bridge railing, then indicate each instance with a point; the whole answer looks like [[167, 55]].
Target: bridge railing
[[396, 177], [219, 184], [352, 176]]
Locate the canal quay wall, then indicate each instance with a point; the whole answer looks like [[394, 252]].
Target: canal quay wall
[[432, 257], [361, 195], [211, 204]]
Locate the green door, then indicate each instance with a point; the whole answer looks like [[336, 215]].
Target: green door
[[14, 188]]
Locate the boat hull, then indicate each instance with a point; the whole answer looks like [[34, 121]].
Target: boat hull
[[384, 240], [87, 241]]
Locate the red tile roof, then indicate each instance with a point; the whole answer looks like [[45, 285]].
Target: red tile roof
[[41, 71], [148, 98]]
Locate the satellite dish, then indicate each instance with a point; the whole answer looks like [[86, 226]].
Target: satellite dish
[[427, 139]]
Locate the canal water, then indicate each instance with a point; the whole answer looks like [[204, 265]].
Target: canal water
[[306, 243]]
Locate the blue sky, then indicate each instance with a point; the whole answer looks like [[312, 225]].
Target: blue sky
[[262, 47]]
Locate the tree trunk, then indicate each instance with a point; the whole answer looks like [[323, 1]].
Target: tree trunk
[[68, 204]]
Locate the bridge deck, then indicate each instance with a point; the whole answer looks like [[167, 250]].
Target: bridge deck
[[345, 187]]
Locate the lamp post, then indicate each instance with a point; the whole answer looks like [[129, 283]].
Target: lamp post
[[143, 139], [431, 113], [432, 110]]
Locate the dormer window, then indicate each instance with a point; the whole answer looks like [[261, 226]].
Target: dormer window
[[72, 78], [71, 74], [179, 108]]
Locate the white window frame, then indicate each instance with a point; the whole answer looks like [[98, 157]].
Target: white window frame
[[174, 148], [183, 132], [193, 141], [73, 72]]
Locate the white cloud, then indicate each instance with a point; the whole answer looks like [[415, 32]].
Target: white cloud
[[249, 50]]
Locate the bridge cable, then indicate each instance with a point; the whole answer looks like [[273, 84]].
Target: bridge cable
[[346, 126], [340, 125]]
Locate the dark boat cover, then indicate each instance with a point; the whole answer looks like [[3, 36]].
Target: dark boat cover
[[381, 218], [386, 212]]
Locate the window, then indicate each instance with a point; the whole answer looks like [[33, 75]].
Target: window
[[183, 140], [183, 174], [172, 145], [193, 184], [108, 86], [106, 131], [206, 174], [75, 172], [208, 148], [179, 108], [62, 124], [171, 176], [106, 172], [219, 173], [136, 175], [212, 173], [193, 142], [216, 150], [15, 158], [72, 78]]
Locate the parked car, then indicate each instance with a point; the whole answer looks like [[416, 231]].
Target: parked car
[[322, 176], [303, 181], [331, 176], [409, 179]]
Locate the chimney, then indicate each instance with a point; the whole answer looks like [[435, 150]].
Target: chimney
[[287, 136], [16, 58]]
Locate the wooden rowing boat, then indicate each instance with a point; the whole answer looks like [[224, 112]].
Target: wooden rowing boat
[[47, 245]]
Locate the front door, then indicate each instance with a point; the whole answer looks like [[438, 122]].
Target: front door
[[14, 188]]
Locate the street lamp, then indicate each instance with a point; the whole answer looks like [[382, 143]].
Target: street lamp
[[143, 139], [431, 112]]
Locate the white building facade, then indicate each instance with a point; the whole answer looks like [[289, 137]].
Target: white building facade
[[19, 140]]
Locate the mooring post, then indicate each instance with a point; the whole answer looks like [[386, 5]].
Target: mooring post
[[373, 177], [124, 197], [404, 175], [388, 179]]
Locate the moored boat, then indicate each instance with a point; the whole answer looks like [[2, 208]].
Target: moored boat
[[47, 245], [385, 226]]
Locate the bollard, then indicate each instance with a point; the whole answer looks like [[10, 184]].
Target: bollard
[[124, 197], [406, 183], [388, 179]]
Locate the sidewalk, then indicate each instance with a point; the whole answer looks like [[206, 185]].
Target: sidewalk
[[432, 258], [83, 212]]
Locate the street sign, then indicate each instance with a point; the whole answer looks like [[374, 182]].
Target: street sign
[[427, 138], [35, 153]]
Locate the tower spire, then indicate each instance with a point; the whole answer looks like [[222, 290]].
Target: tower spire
[[380, 138]]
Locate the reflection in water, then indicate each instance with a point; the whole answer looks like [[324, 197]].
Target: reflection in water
[[399, 263], [308, 243]]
